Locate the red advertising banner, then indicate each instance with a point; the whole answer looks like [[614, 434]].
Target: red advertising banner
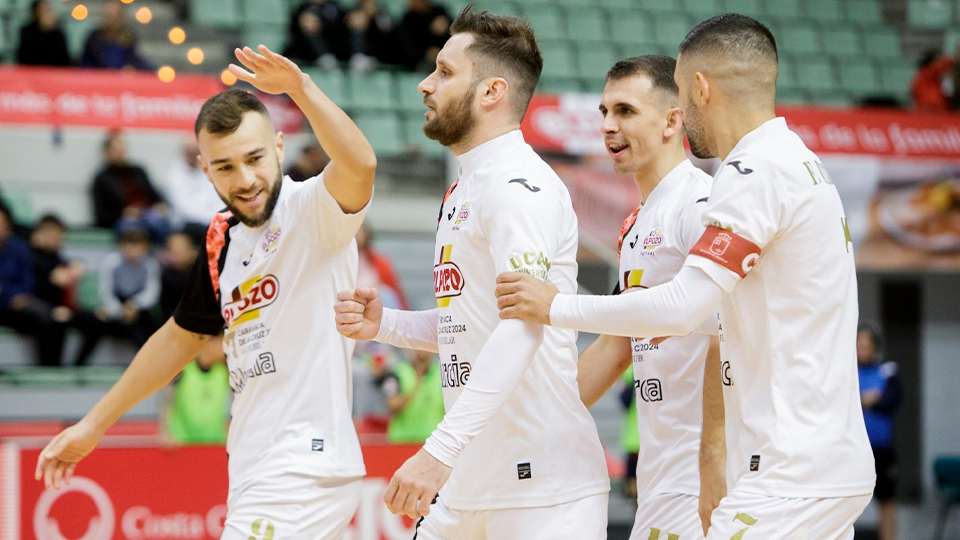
[[115, 99], [128, 492], [571, 124]]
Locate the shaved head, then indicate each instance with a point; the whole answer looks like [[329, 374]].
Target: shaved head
[[738, 54]]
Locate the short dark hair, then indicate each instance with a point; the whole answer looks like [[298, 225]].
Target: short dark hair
[[657, 67], [873, 329], [731, 32], [50, 220], [223, 112], [112, 135], [509, 49]]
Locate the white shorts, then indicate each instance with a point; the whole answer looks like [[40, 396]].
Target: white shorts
[[583, 519], [292, 507], [758, 517], [668, 516]]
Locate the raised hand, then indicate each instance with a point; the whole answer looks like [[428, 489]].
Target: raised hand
[[268, 71], [358, 313], [59, 458]]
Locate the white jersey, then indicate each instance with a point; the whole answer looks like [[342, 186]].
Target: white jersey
[[510, 212], [668, 377], [271, 289], [777, 242]]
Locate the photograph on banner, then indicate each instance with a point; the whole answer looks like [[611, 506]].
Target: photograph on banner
[[898, 174]]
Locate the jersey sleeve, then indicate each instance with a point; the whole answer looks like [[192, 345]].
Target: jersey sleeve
[[199, 308], [742, 216], [334, 227], [521, 218]]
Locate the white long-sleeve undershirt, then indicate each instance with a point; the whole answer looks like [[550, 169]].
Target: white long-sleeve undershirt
[[675, 308], [409, 329], [499, 368]]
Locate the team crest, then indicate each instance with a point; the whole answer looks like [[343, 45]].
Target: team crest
[[271, 239], [653, 239], [462, 216]]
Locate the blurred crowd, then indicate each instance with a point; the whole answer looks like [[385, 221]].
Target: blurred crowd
[[321, 33], [936, 85]]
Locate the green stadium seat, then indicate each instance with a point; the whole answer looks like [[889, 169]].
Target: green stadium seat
[[21, 205], [929, 13], [895, 78], [546, 21], [632, 27], [332, 82], [864, 12], [616, 5], [396, 8], [374, 90], [830, 98], [413, 135], [858, 77], [273, 37], [785, 9], [215, 13], [90, 237], [550, 85], [816, 75], [703, 9], [792, 97], [594, 60], [5, 44], [787, 76], [799, 38], [411, 98], [578, 3], [951, 40], [841, 41], [558, 59], [88, 291], [656, 6], [500, 8], [76, 33], [753, 8], [265, 12], [47, 376], [382, 129], [99, 375], [671, 29], [587, 25], [882, 43], [824, 10]]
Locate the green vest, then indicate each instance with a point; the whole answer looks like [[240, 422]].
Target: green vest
[[424, 410], [629, 435], [199, 410]]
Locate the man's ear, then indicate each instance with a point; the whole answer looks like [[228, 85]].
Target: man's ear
[[674, 123], [281, 149], [495, 90], [702, 89]]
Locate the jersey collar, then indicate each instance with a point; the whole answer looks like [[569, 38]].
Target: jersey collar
[[488, 151], [671, 182], [770, 127]]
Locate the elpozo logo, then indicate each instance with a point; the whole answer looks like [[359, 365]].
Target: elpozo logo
[[100, 526], [448, 280], [653, 239], [249, 298]]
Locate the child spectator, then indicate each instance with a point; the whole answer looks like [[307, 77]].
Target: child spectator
[[177, 259], [56, 280], [130, 287], [195, 404]]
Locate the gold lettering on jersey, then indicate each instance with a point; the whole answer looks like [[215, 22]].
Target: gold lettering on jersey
[[534, 263]]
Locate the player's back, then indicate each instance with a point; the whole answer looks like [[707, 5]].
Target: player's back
[[794, 424], [510, 212]]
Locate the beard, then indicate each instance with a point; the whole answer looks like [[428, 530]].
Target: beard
[[452, 122], [695, 133], [259, 219]]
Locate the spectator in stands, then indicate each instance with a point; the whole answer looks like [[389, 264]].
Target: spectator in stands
[[932, 81], [130, 288], [415, 398], [316, 34], [309, 163], [42, 43], [629, 434], [123, 197], [194, 409], [372, 37], [192, 197], [880, 397], [177, 259], [56, 280], [424, 30], [375, 270], [113, 45], [19, 308]]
